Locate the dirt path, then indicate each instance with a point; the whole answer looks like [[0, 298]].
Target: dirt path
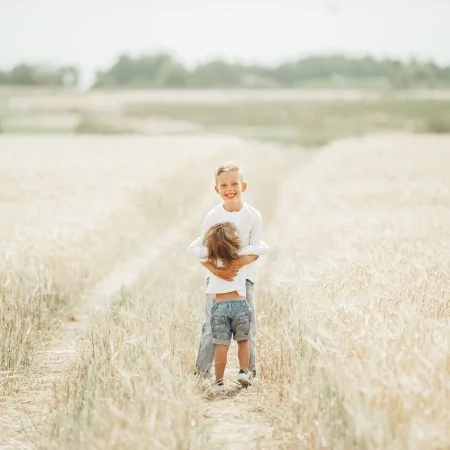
[[232, 420]]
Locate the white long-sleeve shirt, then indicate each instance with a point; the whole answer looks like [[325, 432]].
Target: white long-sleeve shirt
[[249, 222]]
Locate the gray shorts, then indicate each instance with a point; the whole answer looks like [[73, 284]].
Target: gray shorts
[[230, 319]]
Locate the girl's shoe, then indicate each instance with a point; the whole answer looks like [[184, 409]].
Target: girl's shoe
[[244, 378]]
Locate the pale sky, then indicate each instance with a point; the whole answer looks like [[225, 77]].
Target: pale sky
[[92, 33]]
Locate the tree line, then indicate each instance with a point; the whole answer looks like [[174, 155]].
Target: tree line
[[163, 70], [36, 75]]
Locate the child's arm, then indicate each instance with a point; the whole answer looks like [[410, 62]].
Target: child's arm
[[197, 249], [257, 246], [226, 273], [259, 249]]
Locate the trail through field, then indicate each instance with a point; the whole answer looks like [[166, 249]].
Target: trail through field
[[231, 419]]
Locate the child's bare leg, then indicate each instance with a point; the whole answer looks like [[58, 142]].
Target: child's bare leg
[[243, 354], [220, 360]]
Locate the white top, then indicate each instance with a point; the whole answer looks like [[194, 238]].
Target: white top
[[248, 221], [217, 285]]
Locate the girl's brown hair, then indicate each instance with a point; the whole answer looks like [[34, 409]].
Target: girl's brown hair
[[223, 243]]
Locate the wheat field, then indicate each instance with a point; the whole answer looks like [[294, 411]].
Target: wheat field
[[101, 309]]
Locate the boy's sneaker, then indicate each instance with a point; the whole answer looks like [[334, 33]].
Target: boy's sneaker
[[244, 378], [218, 386]]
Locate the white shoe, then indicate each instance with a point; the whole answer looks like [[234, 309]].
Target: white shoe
[[244, 378], [218, 387]]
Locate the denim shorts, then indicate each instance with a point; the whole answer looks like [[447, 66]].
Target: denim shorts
[[230, 319]]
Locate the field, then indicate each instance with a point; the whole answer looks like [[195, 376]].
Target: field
[[307, 118], [101, 308]]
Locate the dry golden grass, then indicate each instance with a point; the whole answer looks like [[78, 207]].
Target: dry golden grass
[[352, 302], [51, 249], [360, 279], [132, 385]]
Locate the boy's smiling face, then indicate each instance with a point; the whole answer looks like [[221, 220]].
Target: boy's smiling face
[[229, 186]]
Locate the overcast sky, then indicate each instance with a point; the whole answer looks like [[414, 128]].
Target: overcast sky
[[91, 33]]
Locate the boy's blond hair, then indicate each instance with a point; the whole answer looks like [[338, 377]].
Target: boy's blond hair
[[229, 166]]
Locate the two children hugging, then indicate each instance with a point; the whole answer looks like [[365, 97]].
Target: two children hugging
[[228, 248]]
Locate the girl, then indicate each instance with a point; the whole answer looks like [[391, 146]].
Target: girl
[[231, 313]]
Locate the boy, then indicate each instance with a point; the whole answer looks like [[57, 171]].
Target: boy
[[229, 185]]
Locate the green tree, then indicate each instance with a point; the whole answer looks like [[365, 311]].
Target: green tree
[[162, 70], [216, 74], [23, 74]]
